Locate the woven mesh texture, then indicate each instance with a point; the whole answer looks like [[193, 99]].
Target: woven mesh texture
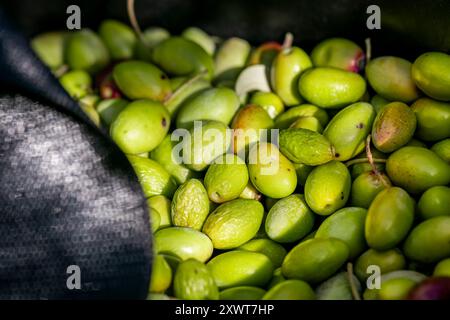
[[67, 197]]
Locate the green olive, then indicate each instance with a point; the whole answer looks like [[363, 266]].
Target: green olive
[[141, 80], [387, 261], [86, 51], [182, 57], [118, 38], [331, 88], [391, 78], [389, 219], [434, 202], [431, 73], [141, 126], [433, 119]]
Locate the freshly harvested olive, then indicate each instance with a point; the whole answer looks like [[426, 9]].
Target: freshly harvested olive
[[141, 80], [434, 202], [315, 260], [140, 127], [389, 219], [250, 125], [327, 188], [433, 119], [268, 101], [416, 169], [240, 268], [234, 223], [338, 53], [391, 78], [274, 251], [77, 83], [442, 149], [190, 205], [183, 243], [50, 48], [152, 176], [285, 72], [346, 224], [193, 281], [429, 241], [231, 58], [396, 289], [219, 104], [226, 178], [182, 57], [305, 146], [393, 127], [161, 204], [161, 275], [270, 171], [201, 38], [289, 219], [331, 88], [204, 143], [431, 73], [118, 38], [442, 268], [290, 290], [387, 261], [348, 130], [86, 51]]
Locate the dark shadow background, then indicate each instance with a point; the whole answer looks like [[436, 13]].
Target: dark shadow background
[[408, 27]]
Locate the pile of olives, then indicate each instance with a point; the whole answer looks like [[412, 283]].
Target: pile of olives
[[359, 160]]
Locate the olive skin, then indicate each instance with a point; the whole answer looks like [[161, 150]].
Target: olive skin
[[348, 129], [182, 57], [433, 119], [327, 188], [86, 51], [338, 53], [429, 241], [315, 260], [270, 171], [416, 169], [393, 127], [387, 261], [140, 127], [391, 78], [366, 187], [119, 38], [431, 73], [286, 69], [331, 88], [434, 202], [442, 149], [141, 80], [389, 218], [346, 224]]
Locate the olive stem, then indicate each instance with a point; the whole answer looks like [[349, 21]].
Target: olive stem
[[369, 155], [364, 160], [351, 280], [368, 43], [186, 84], [288, 40], [133, 19]]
